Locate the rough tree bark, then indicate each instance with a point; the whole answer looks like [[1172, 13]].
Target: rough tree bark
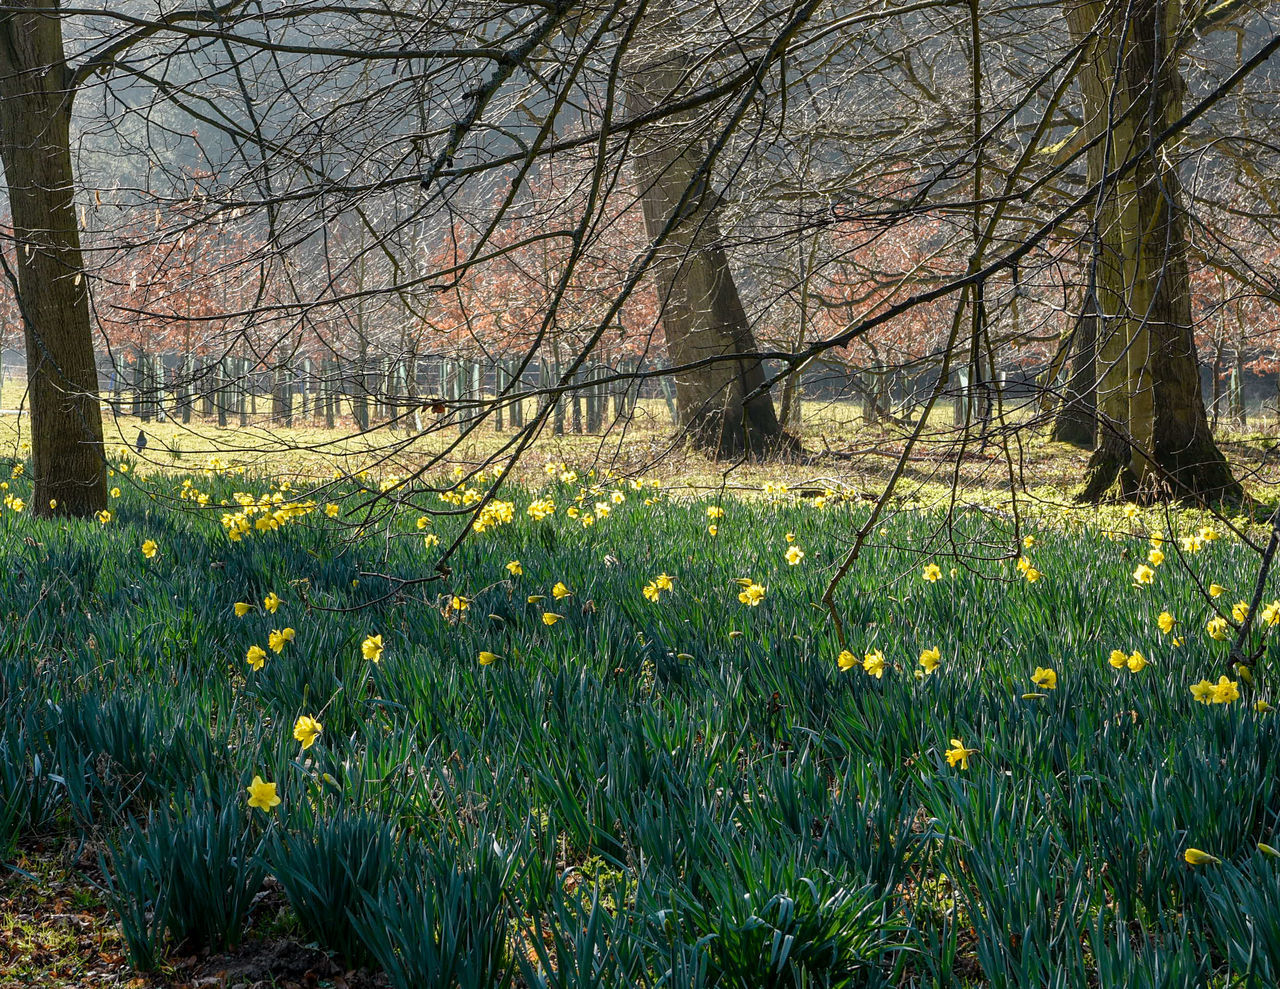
[[1077, 419], [1154, 434], [68, 468], [702, 314]]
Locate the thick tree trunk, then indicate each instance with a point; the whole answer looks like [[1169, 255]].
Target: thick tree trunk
[[1148, 375], [702, 314], [1077, 419], [1191, 465], [68, 468]]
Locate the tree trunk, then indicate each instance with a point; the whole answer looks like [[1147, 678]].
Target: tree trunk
[[792, 412], [69, 472], [1149, 380], [702, 314], [1076, 422]]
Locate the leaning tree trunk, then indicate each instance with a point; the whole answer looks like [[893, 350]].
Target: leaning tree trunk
[[1153, 433], [68, 468], [1077, 419], [703, 318]]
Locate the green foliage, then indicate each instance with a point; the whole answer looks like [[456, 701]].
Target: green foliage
[[194, 869], [681, 792], [784, 932], [442, 922], [328, 868]]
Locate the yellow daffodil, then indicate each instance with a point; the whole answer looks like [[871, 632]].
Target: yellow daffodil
[[1271, 614], [846, 660], [1143, 575], [487, 658], [372, 648], [1045, 679], [932, 572], [242, 609], [271, 602], [1217, 628], [263, 795], [277, 639], [1202, 691], [1194, 856], [794, 555], [256, 657], [331, 510], [1261, 706], [459, 603], [1118, 659], [1028, 541], [115, 492], [306, 730], [1240, 611], [959, 754], [1136, 662], [930, 658], [560, 591], [873, 663], [514, 568], [550, 617], [1216, 590], [430, 540], [752, 594], [1155, 557], [715, 512], [149, 548], [791, 537], [713, 529], [1208, 533], [104, 516], [1225, 691], [1166, 622], [1032, 575]]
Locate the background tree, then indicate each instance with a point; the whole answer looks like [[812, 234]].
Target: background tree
[[36, 92]]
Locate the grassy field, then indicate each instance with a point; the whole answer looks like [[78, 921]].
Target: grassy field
[[557, 767], [840, 450]]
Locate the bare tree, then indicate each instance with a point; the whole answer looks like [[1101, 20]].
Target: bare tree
[[36, 92]]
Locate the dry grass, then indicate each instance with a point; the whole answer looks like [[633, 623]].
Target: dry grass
[[842, 451]]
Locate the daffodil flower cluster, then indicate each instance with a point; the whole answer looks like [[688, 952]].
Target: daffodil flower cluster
[[653, 590], [263, 514], [494, 514], [1223, 692], [752, 593]]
